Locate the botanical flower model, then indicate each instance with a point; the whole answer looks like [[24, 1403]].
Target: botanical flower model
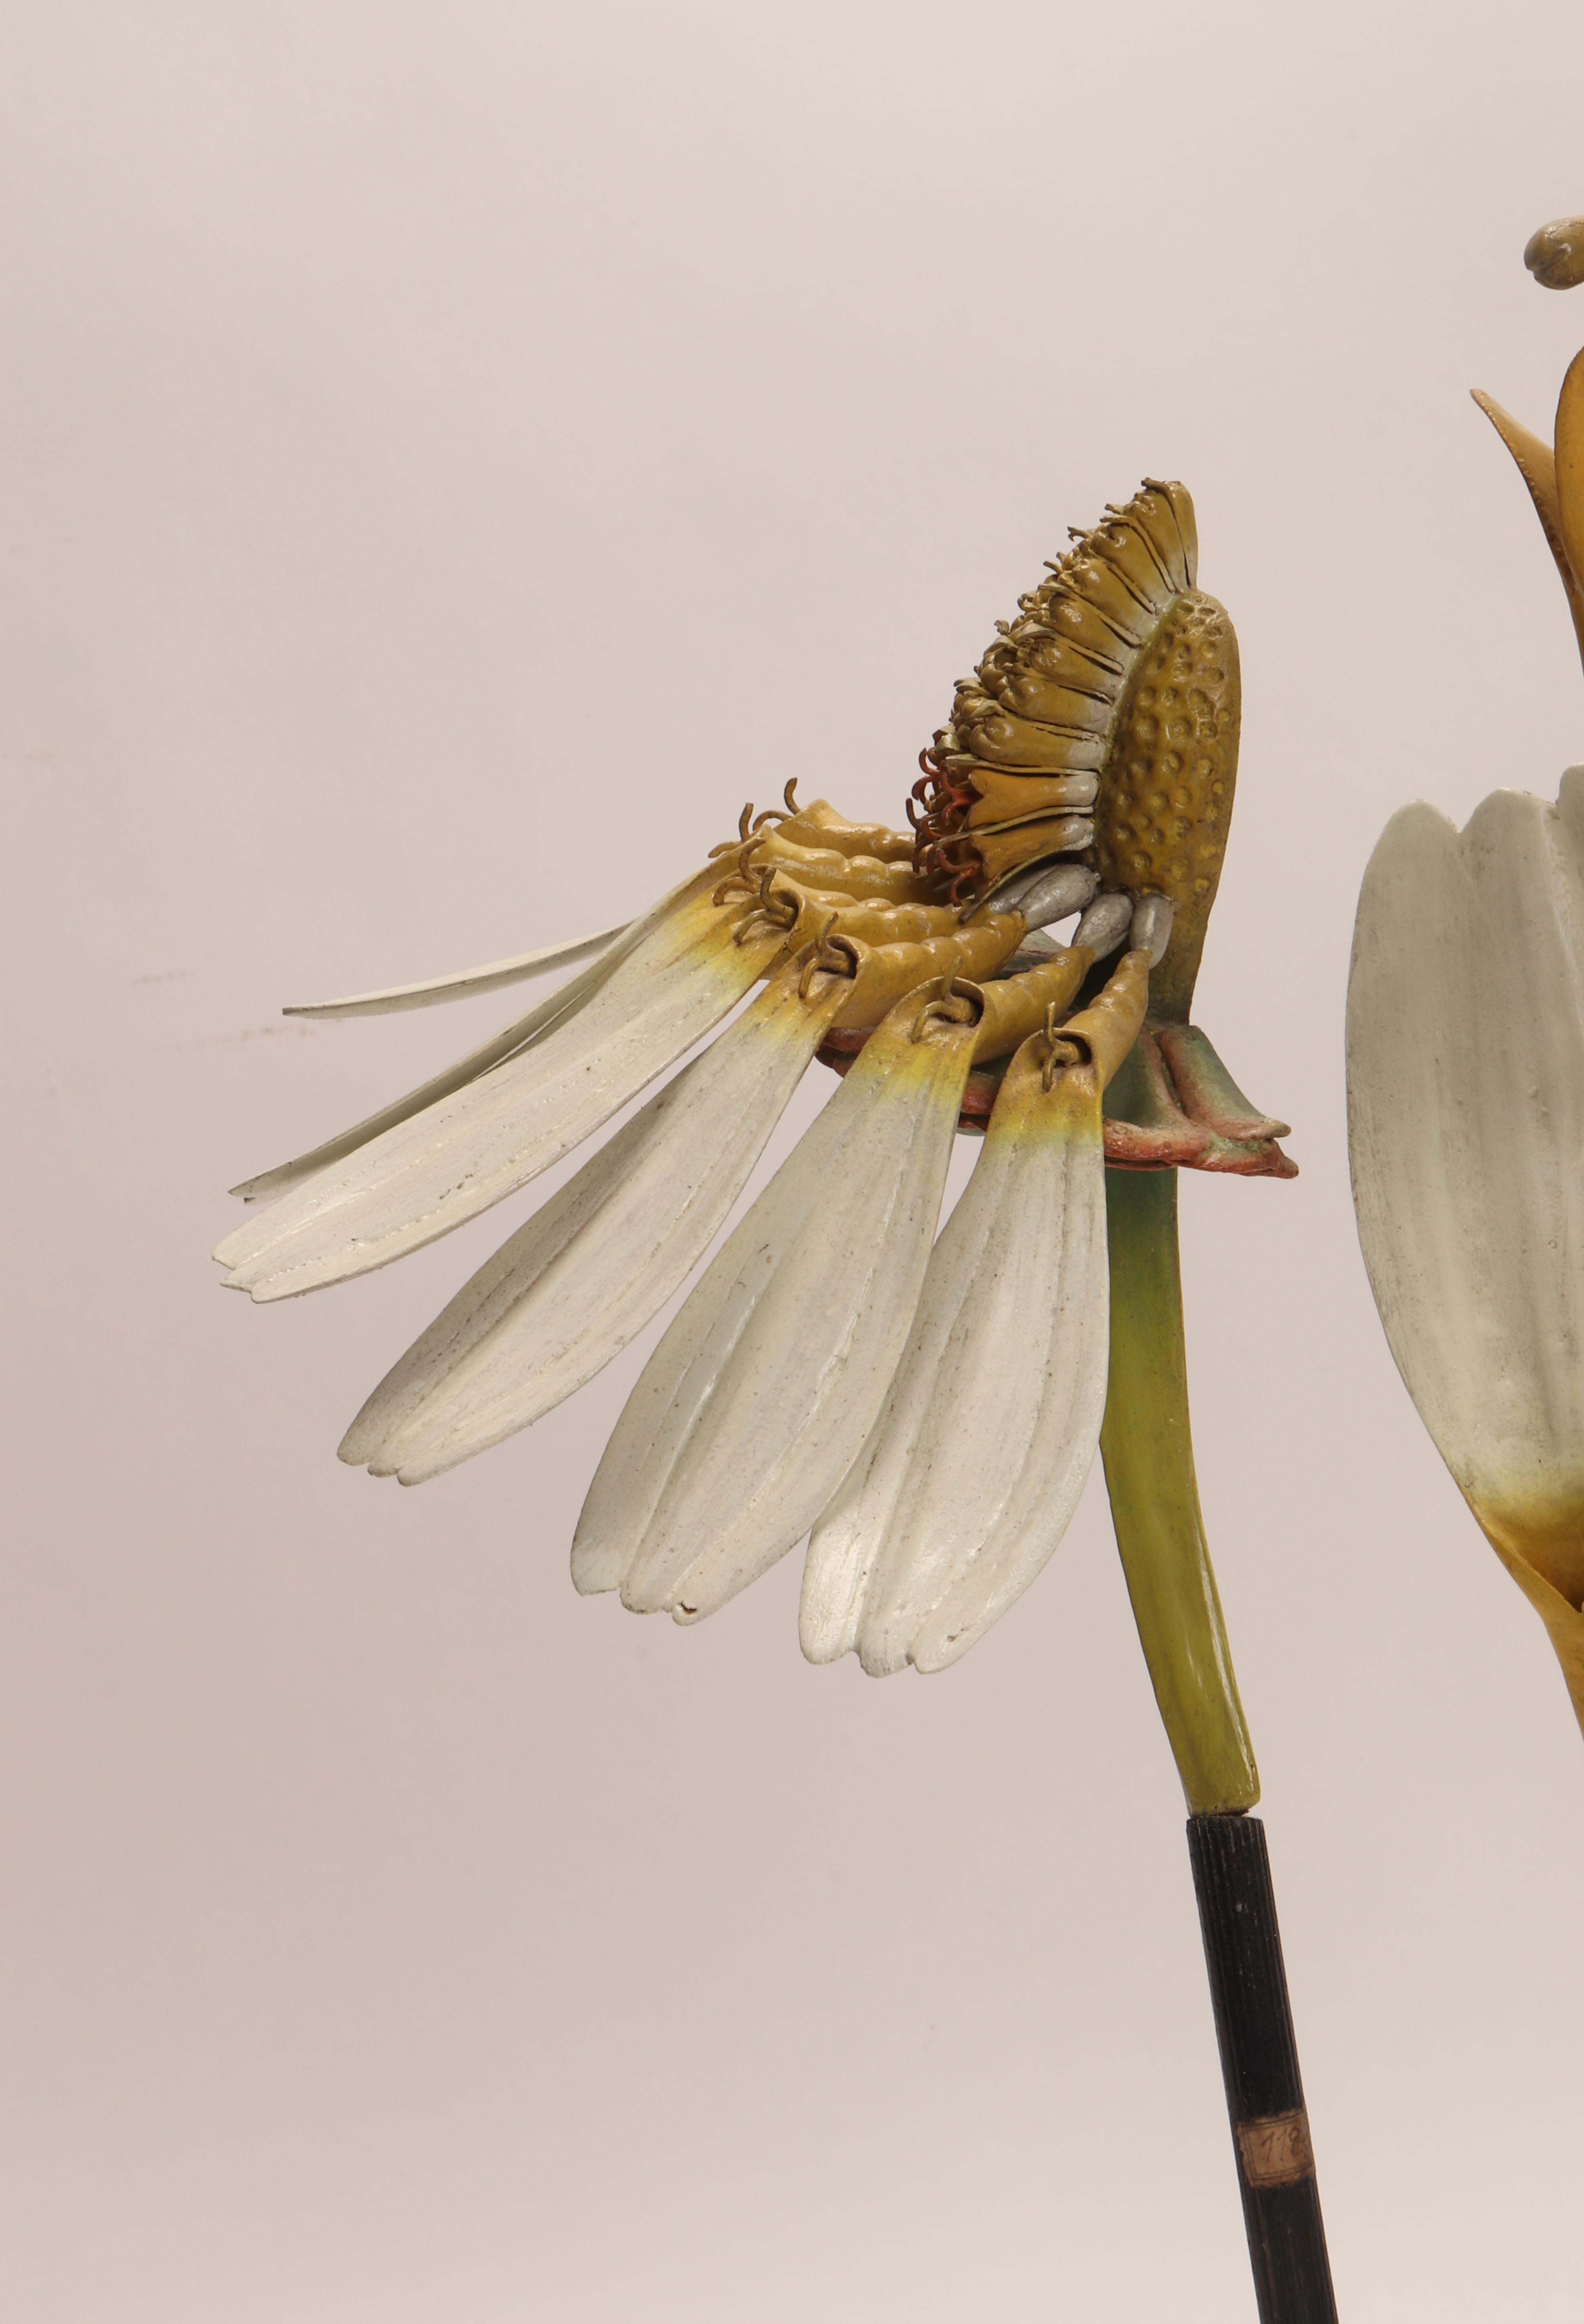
[[927, 1414], [1465, 1105]]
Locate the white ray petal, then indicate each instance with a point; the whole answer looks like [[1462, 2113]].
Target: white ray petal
[[462, 983], [1466, 1102], [268, 1186], [588, 1270], [766, 1384], [990, 1429], [522, 1034], [429, 1175]]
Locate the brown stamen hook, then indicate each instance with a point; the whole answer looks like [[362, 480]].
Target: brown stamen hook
[[739, 880], [951, 1006], [833, 954], [772, 912], [1061, 1052]]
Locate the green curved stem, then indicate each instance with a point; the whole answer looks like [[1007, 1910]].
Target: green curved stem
[[1148, 1454]]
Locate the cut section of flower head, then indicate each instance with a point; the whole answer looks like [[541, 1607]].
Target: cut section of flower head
[[1466, 1117], [1099, 732]]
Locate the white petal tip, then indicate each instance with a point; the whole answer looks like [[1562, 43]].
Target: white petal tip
[[261, 1186], [392, 1453], [825, 1639], [928, 1659], [593, 1572], [638, 1601], [424, 1473], [367, 1437]]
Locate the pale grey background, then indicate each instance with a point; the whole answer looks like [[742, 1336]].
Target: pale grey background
[[453, 456]]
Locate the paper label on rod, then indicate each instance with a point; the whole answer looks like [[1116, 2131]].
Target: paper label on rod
[[1275, 2149]]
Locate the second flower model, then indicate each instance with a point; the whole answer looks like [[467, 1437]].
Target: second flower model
[[1466, 1102]]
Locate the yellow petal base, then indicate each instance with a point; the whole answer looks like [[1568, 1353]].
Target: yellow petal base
[[1542, 1549]]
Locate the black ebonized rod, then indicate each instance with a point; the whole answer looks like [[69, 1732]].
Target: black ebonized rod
[[1259, 2065]]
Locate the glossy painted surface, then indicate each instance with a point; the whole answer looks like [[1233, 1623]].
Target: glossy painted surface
[[1166, 801], [1148, 1452]]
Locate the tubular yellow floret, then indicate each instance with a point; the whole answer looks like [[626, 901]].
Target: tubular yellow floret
[[851, 875], [886, 973], [808, 913], [1016, 1006], [820, 826], [1111, 1024]]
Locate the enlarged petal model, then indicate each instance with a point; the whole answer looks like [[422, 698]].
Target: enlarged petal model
[[1465, 1109]]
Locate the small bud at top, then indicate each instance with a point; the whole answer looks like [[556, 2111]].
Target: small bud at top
[[1554, 254]]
